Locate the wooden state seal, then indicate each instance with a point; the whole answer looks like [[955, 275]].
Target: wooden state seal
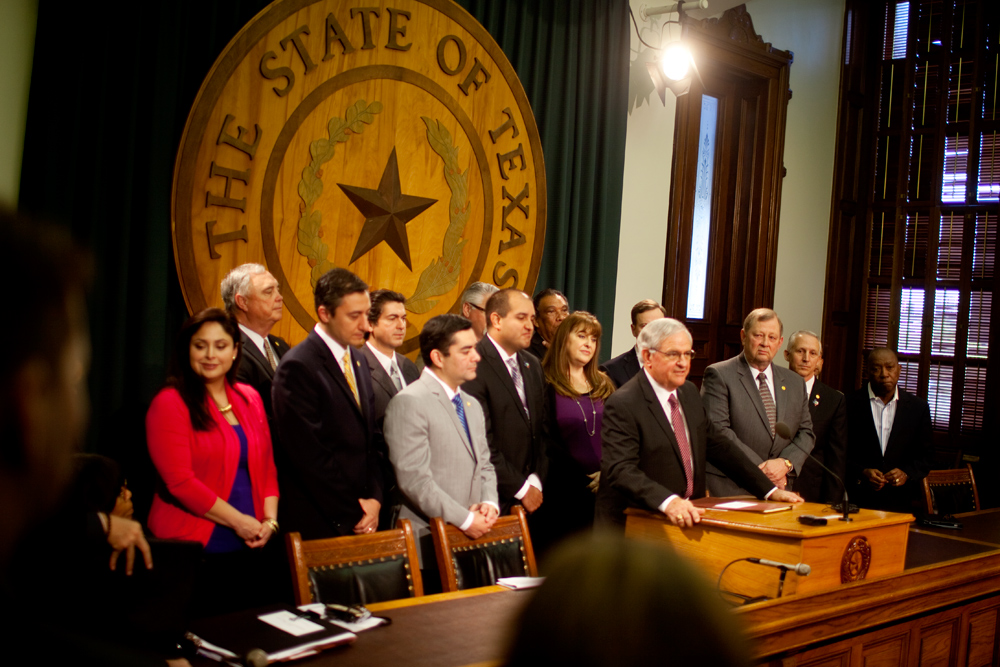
[[856, 560], [390, 138]]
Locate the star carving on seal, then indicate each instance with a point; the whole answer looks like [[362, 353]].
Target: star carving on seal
[[386, 211]]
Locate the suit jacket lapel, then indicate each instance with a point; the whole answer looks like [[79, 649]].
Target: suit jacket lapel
[[442, 398], [780, 395], [378, 373], [254, 356], [333, 368], [653, 403], [532, 394], [279, 345], [500, 368], [748, 377], [869, 421]]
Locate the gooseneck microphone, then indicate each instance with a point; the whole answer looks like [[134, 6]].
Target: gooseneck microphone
[[782, 429], [801, 569]]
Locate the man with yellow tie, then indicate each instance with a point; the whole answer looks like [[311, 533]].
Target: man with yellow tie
[[328, 469]]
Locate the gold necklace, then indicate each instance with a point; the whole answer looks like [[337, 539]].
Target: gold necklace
[[224, 410]]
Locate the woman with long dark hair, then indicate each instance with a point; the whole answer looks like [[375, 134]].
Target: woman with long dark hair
[[209, 440], [575, 394]]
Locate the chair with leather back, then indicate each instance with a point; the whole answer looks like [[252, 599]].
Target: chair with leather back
[[951, 491], [505, 551], [356, 569]]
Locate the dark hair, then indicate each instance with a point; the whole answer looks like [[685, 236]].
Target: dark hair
[[644, 306], [609, 601], [97, 482], [556, 361], [548, 291], [439, 334], [499, 303], [334, 285], [47, 275], [380, 297], [182, 377]]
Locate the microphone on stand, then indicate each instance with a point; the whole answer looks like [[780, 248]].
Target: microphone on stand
[[782, 429], [801, 569]]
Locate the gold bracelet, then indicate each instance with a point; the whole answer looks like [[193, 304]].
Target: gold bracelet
[[272, 524]]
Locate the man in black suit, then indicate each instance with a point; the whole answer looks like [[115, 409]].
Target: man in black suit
[[252, 295], [390, 372], [622, 368], [509, 385], [551, 308], [328, 468], [828, 410], [889, 439], [657, 438]]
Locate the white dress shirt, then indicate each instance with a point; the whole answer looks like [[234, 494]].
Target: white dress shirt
[[883, 414], [336, 348]]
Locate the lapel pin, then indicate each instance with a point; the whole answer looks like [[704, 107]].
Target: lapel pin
[[782, 387]]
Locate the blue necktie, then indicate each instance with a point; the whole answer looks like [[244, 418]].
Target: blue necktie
[[460, 409]]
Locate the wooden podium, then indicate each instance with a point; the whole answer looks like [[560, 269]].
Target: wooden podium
[[871, 545]]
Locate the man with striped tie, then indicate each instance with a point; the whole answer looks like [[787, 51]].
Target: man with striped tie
[[437, 439], [747, 395], [252, 295], [324, 410]]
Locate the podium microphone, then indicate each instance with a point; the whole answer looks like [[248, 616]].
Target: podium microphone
[[781, 428], [801, 569]]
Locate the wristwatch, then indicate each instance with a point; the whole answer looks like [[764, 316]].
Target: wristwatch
[[789, 464]]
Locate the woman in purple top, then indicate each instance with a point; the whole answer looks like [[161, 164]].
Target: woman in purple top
[[575, 395]]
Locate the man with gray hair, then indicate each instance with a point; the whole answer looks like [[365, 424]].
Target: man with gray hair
[[251, 295], [657, 438], [474, 300], [748, 396], [828, 410]]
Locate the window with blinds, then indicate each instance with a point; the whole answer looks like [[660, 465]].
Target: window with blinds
[[934, 213]]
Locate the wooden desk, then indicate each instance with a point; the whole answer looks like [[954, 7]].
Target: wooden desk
[[458, 629], [873, 544]]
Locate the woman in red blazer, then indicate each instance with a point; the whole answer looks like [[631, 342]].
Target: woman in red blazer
[[209, 440]]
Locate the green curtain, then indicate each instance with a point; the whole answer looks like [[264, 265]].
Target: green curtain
[[573, 59], [112, 84]]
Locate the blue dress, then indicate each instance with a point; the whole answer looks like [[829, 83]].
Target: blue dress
[[225, 540]]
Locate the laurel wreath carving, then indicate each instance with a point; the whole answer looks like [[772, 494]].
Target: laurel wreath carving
[[441, 275], [310, 227]]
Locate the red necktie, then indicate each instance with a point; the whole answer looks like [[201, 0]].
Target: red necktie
[[682, 442]]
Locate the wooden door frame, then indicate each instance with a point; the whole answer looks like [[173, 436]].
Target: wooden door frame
[[729, 46]]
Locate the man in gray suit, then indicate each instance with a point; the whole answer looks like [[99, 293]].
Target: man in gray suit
[[747, 395], [437, 439]]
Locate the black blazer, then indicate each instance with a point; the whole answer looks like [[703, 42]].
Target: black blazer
[[256, 371], [910, 449], [327, 458], [641, 463], [382, 385], [828, 409], [622, 368], [517, 442]]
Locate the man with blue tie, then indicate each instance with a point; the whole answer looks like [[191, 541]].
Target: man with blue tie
[[437, 438], [324, 410]]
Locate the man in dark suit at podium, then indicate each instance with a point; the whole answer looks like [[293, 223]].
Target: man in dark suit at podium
[[328, 469], [657, 438], [391, 373], [828, 409], [625, 365], [252, 295], [889, 439]]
